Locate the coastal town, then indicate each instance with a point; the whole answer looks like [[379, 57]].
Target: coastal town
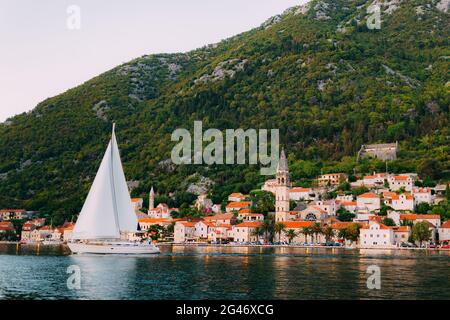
[[380, 210]]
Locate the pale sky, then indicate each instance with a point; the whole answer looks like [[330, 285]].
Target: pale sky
[[41, 57]]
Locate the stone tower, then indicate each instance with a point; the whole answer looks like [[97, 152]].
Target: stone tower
[[282, 190], [151, 200]]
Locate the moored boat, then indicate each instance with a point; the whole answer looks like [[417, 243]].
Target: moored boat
[[107, 219]]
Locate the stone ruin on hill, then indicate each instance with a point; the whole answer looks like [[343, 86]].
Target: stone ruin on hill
[[385, 152]]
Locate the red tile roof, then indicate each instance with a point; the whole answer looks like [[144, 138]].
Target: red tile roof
[[368, 195], [239, 204], [297, 224], [249, 224]]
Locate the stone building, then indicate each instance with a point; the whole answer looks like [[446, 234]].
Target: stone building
[[385, 152]]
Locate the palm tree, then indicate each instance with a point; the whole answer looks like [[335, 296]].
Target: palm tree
[[342, 234], [307, 231], [316, 230], [278, 228], [267, 228], [328, 232], [258, 232], [290, 234]]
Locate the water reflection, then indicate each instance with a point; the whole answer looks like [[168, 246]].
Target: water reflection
[[225, 273]]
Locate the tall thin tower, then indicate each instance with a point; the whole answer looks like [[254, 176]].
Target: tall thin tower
[[282, 190], [151, 200]]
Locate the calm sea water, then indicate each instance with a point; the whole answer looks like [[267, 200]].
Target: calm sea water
[[225, 273]]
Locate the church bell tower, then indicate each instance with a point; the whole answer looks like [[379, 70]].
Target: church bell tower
[[282, 190]]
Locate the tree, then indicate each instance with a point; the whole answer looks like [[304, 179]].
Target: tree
[[307, 231], [316, 230], [279, 227], [421, 232], [388, 222], [290, 234], [429, 168], [8, 235], [359, 191], [328, 232], [406, 223], [344, 215], [422, 208], [258, 232], [384, 209], [262, 202], [268, 229], [352, 232]]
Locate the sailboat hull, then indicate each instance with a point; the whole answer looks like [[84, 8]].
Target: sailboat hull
[[113, 248]]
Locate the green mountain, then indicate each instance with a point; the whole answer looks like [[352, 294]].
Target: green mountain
[[316, 72]]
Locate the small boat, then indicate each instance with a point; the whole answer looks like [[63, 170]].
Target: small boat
[[107, 219], [52, 242]]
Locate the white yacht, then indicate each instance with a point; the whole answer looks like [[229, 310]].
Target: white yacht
[[107, 218]]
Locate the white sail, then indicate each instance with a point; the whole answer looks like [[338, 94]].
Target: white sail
[[127, 217], [107, 211]]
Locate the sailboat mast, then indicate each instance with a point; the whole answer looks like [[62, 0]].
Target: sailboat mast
[[116, 213]]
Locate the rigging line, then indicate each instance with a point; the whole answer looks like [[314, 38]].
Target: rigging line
[[116, 213]]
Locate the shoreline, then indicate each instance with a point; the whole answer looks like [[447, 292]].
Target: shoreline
[[293, 246], [171, 244]]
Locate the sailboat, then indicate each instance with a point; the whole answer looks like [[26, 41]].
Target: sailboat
[[107, 218]]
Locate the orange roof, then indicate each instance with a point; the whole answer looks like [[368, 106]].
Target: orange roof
[[228, 226], [249, 224], [11, 210], [397, 197], [240, 204], [382, 226], [237, 195], [412, 216], [377, 175], [368, 195], [6, 228], [348, 203], [136, 199], [401, 229], [297, 224], [421, 190], [187, 224], [295, 190], [6, 224], [153, 220], [428, 216], [388, 194], [400, 177], [446, 225], [220, 216], [244, 211], [207, 223]]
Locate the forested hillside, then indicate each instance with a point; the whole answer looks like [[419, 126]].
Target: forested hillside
[[316, 72]]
